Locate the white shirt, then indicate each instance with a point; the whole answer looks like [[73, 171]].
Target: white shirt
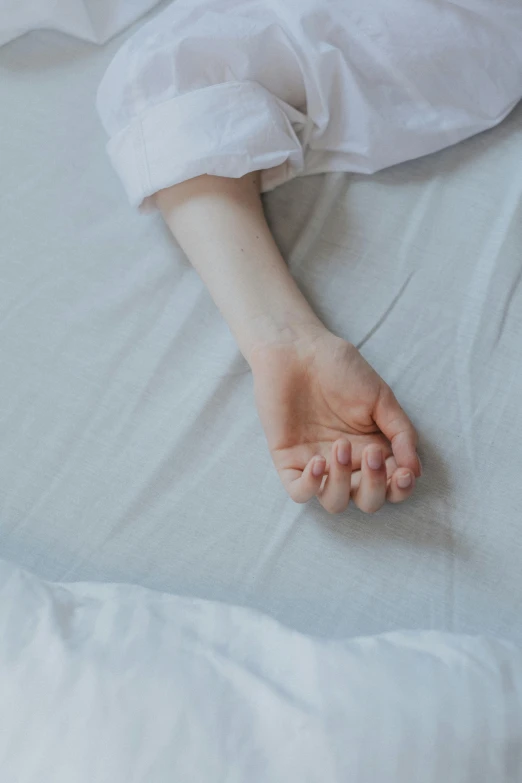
[[292, 87]]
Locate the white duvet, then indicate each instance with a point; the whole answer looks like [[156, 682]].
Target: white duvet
[[118, 684], [91, 20]]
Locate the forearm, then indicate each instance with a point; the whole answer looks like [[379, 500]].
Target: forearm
[[221, 226]]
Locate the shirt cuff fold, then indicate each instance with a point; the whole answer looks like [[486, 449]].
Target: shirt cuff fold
[[225, 130]]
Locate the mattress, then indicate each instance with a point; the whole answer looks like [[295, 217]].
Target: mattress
[[130, 450]]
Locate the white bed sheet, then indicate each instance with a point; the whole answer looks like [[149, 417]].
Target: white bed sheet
[[129, 444]]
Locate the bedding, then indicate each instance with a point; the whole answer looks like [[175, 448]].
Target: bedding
[[227, 87], [130, 449], [90, 20], [113, 683]]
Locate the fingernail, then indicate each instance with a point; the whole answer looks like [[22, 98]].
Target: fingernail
[[374, 459], [344, 452], [404, 481], [318, 467]]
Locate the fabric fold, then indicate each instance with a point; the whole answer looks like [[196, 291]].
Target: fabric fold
[[88, 20], [224, 87], [225, 130]]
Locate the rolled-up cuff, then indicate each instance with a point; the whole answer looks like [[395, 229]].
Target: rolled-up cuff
[[226, 130]]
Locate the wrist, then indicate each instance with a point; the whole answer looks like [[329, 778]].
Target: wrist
[[270, 334]]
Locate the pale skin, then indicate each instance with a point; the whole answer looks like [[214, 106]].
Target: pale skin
[[334, 428]]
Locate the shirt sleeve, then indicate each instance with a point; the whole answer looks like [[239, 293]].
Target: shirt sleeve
[[199, 90], [226, 87]]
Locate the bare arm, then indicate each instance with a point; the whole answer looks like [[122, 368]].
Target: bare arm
[[221, 226], [323, 408]]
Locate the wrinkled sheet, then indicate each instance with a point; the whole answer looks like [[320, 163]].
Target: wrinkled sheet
[[90, 20], [111, 684], [129, 444]]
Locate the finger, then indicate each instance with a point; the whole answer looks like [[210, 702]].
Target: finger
[[359, 445], [393, 422], [356, 481], [303, 486], [401, 493], [335, 496], [391, 467], [371, 493], [401, 486]]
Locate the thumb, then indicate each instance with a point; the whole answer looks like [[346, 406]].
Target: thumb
[[396, 426]]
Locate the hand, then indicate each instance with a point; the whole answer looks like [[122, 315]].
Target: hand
[[324, 410], [327, 414]]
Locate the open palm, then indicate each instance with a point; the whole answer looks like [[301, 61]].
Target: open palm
[[327, 413]]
